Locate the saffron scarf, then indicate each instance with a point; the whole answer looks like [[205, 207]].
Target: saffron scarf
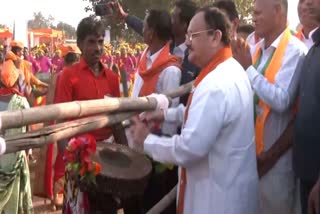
[[221, 56]]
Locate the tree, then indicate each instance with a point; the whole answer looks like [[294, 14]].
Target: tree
[[70, 31], [245, 9], [137, 8], [3, 26], [39, 21], [204, 2]]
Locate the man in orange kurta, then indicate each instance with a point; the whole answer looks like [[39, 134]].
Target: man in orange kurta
[[26, 68]]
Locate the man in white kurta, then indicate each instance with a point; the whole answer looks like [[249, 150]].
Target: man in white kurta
[[279, 184], [216, 144], [277, 187], [169, 79]]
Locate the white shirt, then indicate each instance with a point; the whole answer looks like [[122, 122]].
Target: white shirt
[[281, 95], [309, 41], [216, 145], [251, 39], [169, 79], [180, 50]]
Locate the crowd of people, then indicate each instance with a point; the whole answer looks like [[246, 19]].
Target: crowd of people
[[46, 61], [244, 141]]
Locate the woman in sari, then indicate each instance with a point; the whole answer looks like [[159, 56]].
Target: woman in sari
[[15, 190]]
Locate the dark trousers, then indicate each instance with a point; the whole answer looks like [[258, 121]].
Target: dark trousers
[[305, 189]]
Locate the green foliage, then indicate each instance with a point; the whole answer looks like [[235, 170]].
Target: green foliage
[[202, 3], [137, 8], [140, 7], [245, 9], [70, 31], [40, 21], [3, 26]]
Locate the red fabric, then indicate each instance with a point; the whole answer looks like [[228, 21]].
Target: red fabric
[[256, 38], [77, 82], [7, 91], [48, 172], [58, 167], [299, 34]]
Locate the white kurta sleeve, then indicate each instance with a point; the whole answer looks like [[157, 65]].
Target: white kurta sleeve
[[169, 80], [280, 95], [175, 114], [138, 82], [205, 120]]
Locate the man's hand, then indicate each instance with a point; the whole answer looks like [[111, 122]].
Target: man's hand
[[118, 10], [17, 62], [139, 132], [264, 164], [156, 116], [267, 160], [163, 102], [314, 199], [42, 84], [39, 93], [241, 52]]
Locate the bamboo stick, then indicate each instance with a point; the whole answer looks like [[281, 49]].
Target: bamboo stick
[[76, 109], [47, 135], [119, 134], [182, 90], [66, 130], [164, 202]]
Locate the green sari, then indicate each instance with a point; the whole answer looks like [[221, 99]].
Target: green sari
[[15, 190]]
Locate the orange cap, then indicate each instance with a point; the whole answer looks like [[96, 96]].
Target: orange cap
[[69, 48], [9, 74], [15, 43]]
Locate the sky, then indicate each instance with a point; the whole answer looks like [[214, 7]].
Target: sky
[[68, 11], [72, 11]]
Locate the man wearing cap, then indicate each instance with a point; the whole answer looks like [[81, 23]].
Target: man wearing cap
[[45, 65], [27, 56], [57, 61], [25, 67]]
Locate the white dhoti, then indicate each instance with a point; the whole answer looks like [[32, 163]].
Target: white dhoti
[[279, 193]]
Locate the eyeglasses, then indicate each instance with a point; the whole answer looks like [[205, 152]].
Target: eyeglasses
[[190, 36]]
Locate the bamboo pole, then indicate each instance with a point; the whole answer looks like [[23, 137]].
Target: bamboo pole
[[119, 134], [47, 135], [164, 202], [66, 130], [76, 109], [182, 90]]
